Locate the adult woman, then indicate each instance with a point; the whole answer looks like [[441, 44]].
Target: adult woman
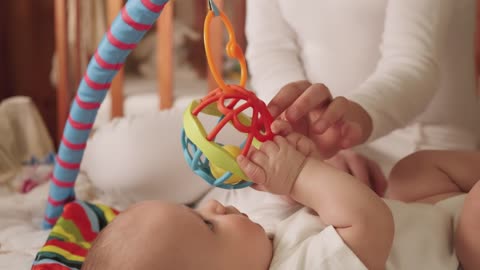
[[405, 66]]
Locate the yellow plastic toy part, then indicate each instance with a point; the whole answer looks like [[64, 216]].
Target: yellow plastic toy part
[[216, 154], [217, 172]]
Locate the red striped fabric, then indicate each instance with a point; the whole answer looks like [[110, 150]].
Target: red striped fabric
[[135, 25], [79, 125], [119, 44], [61, 183], [86, 105], [152, 6], [104, 64], [77, 214], [96, 86], [67, 165], [72, 248]]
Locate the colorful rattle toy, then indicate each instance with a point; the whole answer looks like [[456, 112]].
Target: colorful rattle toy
[[211, 160]]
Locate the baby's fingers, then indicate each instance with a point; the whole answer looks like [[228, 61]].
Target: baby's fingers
[[259, 187], [253, 171], [281, 127]]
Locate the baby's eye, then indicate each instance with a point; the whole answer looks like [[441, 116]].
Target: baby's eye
[[209, 224]]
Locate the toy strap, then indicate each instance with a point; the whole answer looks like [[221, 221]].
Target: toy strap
[[134, 20]]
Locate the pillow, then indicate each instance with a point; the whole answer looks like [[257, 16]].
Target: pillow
[[140, 158]]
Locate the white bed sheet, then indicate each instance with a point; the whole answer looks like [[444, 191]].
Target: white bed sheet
[[21, 235]]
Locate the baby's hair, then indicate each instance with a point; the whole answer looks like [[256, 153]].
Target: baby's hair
[[100, 252], [108, 251]]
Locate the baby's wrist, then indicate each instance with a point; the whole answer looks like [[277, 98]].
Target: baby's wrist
[[304, 174]]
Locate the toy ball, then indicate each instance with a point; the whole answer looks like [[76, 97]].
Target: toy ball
[[217, 172], [211, 159]]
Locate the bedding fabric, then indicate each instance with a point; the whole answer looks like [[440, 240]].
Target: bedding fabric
[[72, 236]]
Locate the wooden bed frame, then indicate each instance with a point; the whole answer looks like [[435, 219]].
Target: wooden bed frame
[[165, 54]]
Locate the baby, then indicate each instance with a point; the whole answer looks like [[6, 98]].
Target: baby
[[344, 224], [158, 235]]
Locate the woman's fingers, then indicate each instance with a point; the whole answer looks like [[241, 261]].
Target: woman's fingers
[[314, 97], [334, 113], [286, 97]]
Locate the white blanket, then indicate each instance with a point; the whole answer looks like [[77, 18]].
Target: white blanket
[[21, 235]]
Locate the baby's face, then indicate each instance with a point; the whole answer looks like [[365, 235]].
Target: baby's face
[[212, 237], [238, 238]]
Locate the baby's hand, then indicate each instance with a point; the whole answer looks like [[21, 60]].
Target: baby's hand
[[277, 164]]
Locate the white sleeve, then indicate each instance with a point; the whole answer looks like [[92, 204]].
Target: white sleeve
[[272, 54], [303, 241], [407, 75], [325, 250]]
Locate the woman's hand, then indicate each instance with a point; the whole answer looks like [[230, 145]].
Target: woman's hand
[[332, 123], [364, 169]]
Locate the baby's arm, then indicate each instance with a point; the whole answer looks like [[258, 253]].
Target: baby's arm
[[287, 166], [433, 175], [360, 217]]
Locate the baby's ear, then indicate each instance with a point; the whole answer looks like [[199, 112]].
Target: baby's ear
[[281, 127]]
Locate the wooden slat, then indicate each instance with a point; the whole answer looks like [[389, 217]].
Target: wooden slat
[[61, 47], [164, 59], [116, 91], [239, 18], [477, 48], [78, 44], [216, 45]]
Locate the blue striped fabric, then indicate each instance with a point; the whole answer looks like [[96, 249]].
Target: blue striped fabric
[[126, 31]]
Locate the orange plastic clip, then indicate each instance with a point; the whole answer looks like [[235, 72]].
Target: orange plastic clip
[[233, 50]]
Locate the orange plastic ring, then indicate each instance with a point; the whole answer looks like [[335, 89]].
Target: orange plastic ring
[[233, 50]]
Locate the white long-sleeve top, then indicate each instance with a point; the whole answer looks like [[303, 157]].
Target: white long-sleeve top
[[403, 61]]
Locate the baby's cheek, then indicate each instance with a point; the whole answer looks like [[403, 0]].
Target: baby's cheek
[[241, 226]]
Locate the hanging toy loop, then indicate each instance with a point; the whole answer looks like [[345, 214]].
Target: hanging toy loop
[[233, 50], [210, 157]]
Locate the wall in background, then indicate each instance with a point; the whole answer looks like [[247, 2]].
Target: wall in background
[[26, 49]]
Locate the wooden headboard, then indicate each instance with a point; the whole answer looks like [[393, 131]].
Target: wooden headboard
[[165, 53]]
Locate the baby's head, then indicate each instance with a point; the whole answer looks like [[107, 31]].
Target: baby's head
[[158, 235]]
